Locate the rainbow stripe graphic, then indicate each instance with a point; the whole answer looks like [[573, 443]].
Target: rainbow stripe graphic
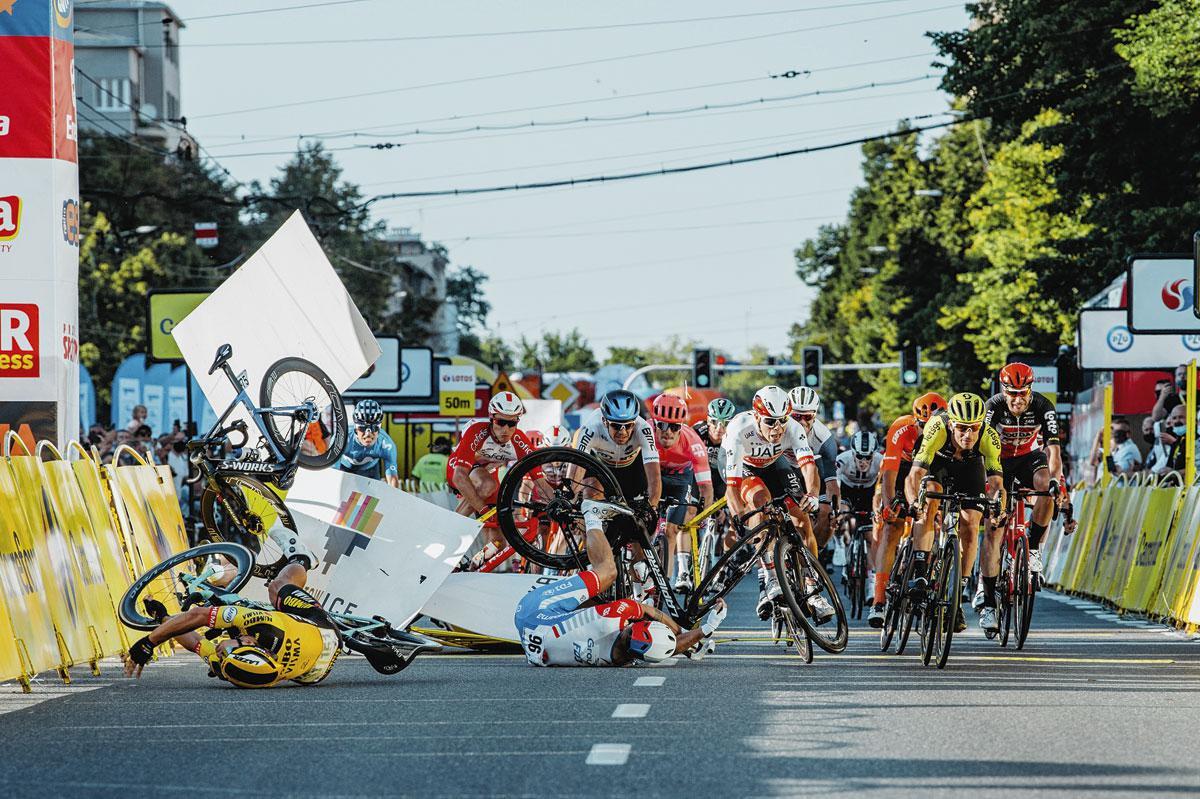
[[359, 514]]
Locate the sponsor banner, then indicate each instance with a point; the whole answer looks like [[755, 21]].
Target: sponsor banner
[[456, 390], [32, 421], [304, 311], [383, 376], [1106, 342], [110, 538], [40, 121], [483, 603], [381, 550], [1161, 294], [149, 510], [21, 584], [167, 309], [1150, 554], [37, 18]]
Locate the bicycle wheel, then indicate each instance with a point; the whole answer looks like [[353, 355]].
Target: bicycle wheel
[[895, 597], [242, 510], [802, 580], [949, 597], [1022, 593], [293, 381], [160, 581], [573, 476], [802, 642], [1005, 606]]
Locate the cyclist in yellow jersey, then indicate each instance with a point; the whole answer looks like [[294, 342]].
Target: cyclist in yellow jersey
[[961, 454]]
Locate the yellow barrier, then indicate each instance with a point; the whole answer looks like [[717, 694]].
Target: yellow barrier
[[110, 540], [1149, 557]]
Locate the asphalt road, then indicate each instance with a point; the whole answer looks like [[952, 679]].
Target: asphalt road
[[1094, 706]]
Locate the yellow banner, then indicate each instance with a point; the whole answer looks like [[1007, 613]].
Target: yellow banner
[[1150, 555], [110, 539], [168, 309], [146, 498]]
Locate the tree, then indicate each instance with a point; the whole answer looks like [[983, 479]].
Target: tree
[[464, 288], [556, 352], [675, 350], [1163, 47]]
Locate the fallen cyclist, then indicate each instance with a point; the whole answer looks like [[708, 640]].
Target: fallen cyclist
[[563, 624]]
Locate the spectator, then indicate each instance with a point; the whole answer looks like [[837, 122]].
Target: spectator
[[1168, 394], [430, 468], [1156, 458], [177, 460], [1124, 456], [1172, 435], [138, 419]]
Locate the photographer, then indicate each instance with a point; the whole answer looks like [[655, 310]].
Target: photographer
[[1124, 456], [1169, 394]]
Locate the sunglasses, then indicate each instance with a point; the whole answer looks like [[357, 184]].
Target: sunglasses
[[964, 428], [367, 428], [769, 422], [505, 422], [620, 425], [804, 417], [668, 426]]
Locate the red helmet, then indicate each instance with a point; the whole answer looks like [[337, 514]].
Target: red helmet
[[669, 408], [927, 405], [1016, 378]]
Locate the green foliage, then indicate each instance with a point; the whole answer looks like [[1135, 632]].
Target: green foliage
[[494, 352], [556, 352], [674, 350], [1163, 47]]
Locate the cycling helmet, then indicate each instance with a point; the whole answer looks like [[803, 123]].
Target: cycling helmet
[[1016, 378], [669, 408], [250, 667], [771, 402], [965, 409], [651, 641], [506, 403], [620, 406], [368, 413], [721, 409], [927, 405], [804, 400], [536, 439], [561, 438], [863, 444]]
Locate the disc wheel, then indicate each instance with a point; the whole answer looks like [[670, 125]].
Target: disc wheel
[[573, 476], [794, 565], [290, 382], [160, 583], [242, 511]]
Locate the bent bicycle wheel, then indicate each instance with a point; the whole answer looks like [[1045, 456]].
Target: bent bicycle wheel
[[551, 485], [802, 580], [242, 512], [290, 382], [159, 582]]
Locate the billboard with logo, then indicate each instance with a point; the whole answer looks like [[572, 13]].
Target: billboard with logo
[[1162, 294], [1106, 342], [39, 221]]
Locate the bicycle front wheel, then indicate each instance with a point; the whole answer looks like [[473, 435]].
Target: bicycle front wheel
[[290, 382], [895, 597], [1022, 594], [159, 582], [242, 510], [949, 597], [803, 581]]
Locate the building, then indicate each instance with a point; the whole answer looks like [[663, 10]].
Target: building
[[422, 273], [127, 71]]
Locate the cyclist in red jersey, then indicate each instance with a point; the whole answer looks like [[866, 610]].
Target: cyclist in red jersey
[[683, 459], [902, 439], [485, 446]]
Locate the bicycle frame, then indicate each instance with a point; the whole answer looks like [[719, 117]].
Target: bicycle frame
[[693, 529]]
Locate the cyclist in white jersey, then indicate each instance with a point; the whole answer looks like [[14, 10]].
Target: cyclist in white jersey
[[561, 624], [757, 472], [805, 403], [617, 434]]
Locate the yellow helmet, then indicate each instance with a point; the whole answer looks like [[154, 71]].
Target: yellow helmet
[[250, 667], [965, 409]]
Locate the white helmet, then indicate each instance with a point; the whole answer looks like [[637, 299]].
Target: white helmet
[[506, 403], [651, 641], [771, 402], [561, 437], [863, 444], [804, 400]]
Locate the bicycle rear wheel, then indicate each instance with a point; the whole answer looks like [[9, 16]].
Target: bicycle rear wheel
[[802, 580], [895, 596], [1005, 606], [159, 583], [242, 511], [802, 642], [1022, 593], [949, 597], [573, 476], [293, 381]]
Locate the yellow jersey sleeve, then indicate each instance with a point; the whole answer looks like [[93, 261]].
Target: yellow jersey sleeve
[[989, 448], [932, 440]]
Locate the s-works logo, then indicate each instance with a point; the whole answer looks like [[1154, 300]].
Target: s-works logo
[[1177, 295]]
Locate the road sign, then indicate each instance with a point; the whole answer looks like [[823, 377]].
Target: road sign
[[456, 390], [502, 383], [564, 391], [206, 235], [165, 309], [1105, 342], [1161, 294]]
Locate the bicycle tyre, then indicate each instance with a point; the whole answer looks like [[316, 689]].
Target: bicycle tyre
[[894, 597], [565, 509], [1022, 595], [257, 529], [802, 642], [1005, 605], [338, 435], [697, 605], [791, 558], [953, 600], [132, 616]]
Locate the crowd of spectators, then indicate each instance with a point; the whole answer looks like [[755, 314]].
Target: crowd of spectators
[[1161, 448]]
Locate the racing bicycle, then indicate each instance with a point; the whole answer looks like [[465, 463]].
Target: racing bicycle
[[1017, 586], [858, 522], [202, 576]]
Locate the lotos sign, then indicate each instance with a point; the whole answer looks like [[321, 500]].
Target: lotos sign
[[19, 340]]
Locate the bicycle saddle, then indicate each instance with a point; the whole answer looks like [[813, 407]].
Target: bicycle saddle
[[224, 353]]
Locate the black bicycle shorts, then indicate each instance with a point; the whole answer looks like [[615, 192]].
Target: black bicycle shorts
[[780, 479], [902, 477], [860, 499], [631, 478], [680, 486], [964, 477], [1023, 467]]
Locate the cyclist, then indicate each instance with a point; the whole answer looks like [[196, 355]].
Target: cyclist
[[485, 446], [821, 441], [369, 453], [712, 432], [617, 434], [858, 472], [757, 471], [962, 454], [683, 460], [902, 439], [562, 624], [1029, 454]]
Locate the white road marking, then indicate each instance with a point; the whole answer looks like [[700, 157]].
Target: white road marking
[[13, 698], [648, 682], [608, 754], [631, 711]]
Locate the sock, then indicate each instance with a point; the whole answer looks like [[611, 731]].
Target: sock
[[989, 592], [683, 565], [881, 581], [1036, 531]]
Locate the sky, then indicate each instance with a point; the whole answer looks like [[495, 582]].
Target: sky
[[706, 255]]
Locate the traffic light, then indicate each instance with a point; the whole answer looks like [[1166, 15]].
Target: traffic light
[[910, 366], [811, 357], [771, 361], [702, 368]]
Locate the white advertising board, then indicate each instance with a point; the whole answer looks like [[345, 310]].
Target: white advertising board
[[1161, 294], [1105, 342], [483, 603], [384, 374]]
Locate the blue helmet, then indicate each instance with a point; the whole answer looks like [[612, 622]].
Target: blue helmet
[[620, 406], [368, 413]]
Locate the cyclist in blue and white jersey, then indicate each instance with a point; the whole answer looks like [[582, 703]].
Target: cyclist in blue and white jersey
[[821, 441], [369, 453]]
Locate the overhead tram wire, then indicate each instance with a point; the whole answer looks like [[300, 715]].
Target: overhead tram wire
[[555, 67], [190, 20]]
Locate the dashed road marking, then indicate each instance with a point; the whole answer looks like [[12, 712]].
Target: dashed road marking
[[650, 682], [608, 754], [631, 711]]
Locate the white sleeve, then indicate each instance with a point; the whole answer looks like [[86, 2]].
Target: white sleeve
[[649, 450], [734, 450], [797, 441]]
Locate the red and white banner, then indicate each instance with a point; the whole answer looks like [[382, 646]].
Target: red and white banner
[[39, 223]]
